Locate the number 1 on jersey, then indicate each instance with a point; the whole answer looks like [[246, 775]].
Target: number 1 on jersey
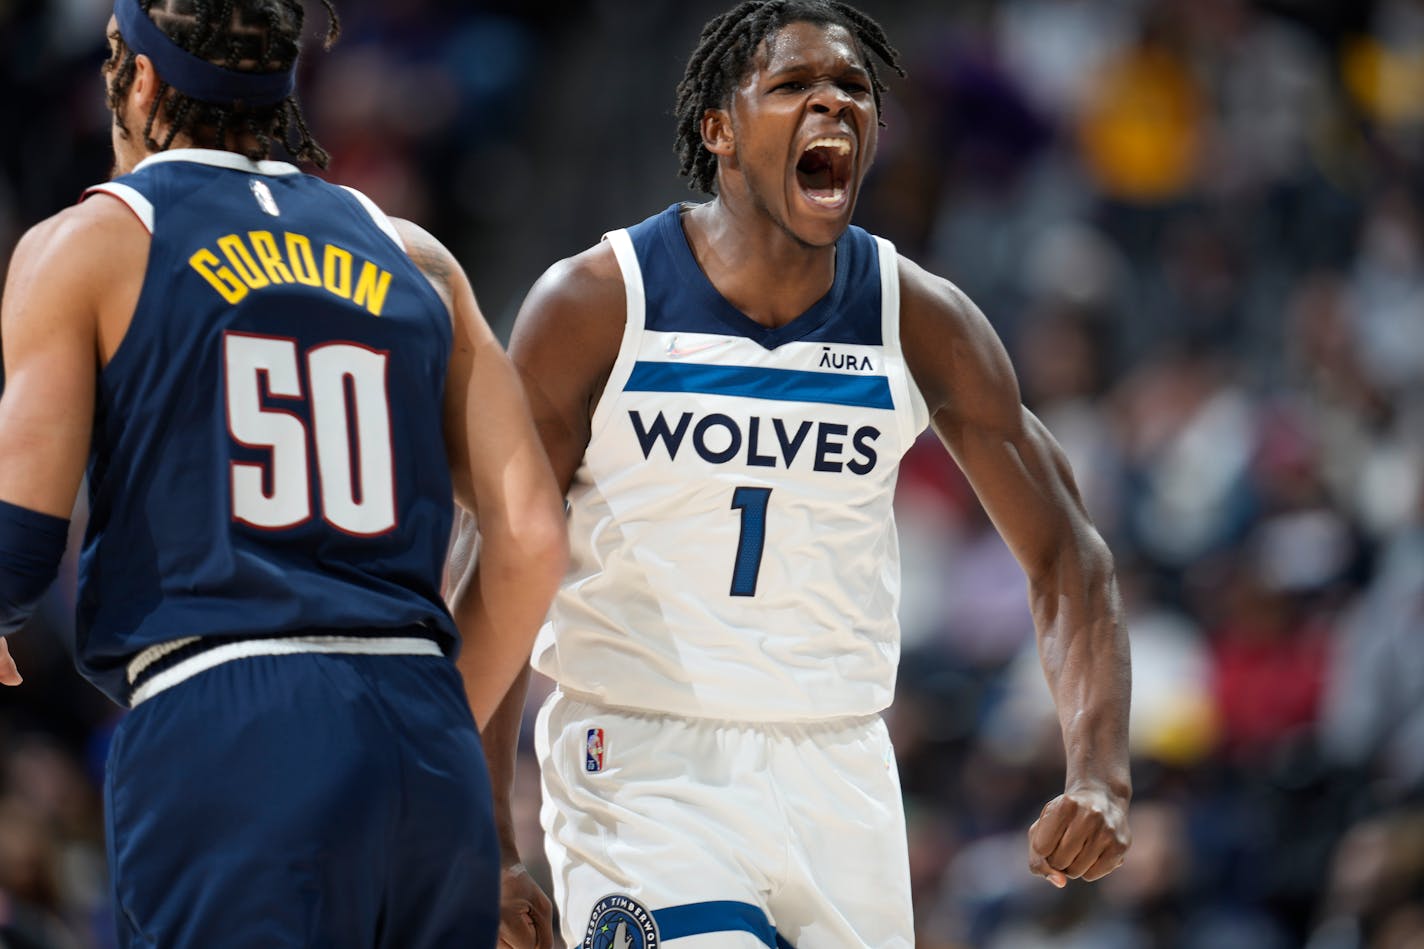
[[752, 503]]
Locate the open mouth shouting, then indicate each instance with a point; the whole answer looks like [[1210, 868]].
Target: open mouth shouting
[[824, 171]]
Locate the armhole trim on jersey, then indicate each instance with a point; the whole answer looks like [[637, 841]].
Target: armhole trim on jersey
[[377, 215], [137, 203], [912, 411], [627, 258]]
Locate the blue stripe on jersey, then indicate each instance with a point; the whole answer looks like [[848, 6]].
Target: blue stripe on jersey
[[717, 916], [751, 382], [681, 299]]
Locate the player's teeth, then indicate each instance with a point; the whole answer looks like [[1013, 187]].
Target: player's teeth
[[834, 197], [839, 144]]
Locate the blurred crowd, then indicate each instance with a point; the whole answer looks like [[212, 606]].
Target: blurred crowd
[[1198, 226]]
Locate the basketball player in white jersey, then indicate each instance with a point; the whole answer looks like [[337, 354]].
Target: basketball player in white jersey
[[725, 391]]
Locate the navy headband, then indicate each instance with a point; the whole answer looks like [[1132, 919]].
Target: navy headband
[[194, 76]]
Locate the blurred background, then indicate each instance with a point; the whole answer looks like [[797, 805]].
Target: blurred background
[[1199, 227]]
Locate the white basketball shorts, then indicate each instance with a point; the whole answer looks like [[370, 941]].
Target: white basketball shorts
[[700, 834]]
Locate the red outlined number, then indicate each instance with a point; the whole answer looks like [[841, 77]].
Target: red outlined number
[[351, 427], [277, 495]]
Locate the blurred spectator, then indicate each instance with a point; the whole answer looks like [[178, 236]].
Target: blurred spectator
[[1198, 225], [1141, 123]]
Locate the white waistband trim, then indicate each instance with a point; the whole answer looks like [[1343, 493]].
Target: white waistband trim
[[154, 653], [247, 648]]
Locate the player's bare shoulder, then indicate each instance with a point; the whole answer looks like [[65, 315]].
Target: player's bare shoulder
[[573, 317], [432, 258], [87, 260], [952, 350], [581, 295], [101, 235]]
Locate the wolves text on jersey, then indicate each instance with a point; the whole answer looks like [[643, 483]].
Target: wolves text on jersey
[[767, 442], [257, 260]]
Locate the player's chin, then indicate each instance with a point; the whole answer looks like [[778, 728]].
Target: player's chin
[[819, 219]]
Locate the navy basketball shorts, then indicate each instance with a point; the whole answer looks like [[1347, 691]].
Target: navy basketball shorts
[[304, 801], [698, 834]]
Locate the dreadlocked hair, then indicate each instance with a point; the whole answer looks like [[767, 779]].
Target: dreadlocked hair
[[243, 35], [723, 57]]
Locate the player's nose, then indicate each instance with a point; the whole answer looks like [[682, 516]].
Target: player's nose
[[828, 97]]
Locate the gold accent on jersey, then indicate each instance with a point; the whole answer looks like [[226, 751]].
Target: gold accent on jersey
[[255, 261]]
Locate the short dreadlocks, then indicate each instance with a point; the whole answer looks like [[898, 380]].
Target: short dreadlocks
[[243, 35], [723, 57]]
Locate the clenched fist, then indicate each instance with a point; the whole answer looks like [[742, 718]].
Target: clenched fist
[[1082, 833]]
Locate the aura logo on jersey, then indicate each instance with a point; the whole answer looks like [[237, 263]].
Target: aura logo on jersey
[[620, 922], [760, 442], [830, 359]]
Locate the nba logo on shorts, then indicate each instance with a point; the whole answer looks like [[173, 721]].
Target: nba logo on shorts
[[593, 751]]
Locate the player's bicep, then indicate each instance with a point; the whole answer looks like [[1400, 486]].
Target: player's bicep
[[564, 343], [47, 405], [1022, 478], [500, 458], [1014, 464]]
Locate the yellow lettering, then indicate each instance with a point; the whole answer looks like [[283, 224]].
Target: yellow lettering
[[242, 263], [336, 271], [221, 279], [271, 257], [371, 288], [299, 254]]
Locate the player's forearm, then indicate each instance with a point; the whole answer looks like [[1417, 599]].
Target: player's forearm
[[500, 609], [500, 739], [1083, 645]]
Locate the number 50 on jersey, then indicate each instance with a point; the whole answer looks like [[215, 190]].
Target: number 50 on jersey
[[344, 391]]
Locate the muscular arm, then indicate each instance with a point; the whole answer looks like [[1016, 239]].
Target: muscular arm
[[500, 476], [1023, 480], [48, 328], [564, 343], [563, 346], [64, 273]]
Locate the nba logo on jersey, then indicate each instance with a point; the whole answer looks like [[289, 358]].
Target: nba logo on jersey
[[593, 751], [263, 194]]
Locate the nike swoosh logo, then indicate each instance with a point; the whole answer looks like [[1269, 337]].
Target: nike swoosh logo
[[674, 352]]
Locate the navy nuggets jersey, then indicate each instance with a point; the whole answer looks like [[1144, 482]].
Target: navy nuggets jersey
[[732, 537], [267, 453]]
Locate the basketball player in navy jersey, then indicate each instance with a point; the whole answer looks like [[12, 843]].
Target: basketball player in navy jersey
[[725, 391], [278, 392]]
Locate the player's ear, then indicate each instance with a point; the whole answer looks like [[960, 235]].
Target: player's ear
[[717, 135], [144, 88]]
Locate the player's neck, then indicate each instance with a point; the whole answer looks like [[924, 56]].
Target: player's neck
[[127, 159], [755, 264]]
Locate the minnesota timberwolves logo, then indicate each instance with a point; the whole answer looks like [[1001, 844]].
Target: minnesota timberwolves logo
[[263, 194], [619, 922]]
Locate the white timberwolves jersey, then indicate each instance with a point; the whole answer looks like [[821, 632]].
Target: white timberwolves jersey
[[733, 544]]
